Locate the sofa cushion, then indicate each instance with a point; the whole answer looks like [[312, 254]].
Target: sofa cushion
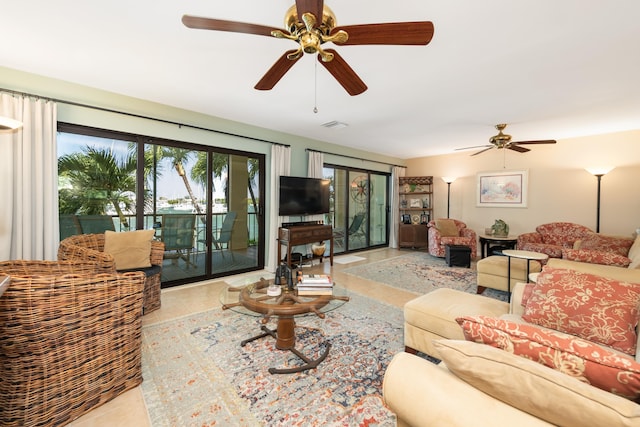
[[592, 307], [596, 257], [599, 242], [534, 388], [447, 227], [578, 358], [634, 253], [130, 249]]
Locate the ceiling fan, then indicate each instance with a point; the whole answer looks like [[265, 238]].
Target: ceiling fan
[[311, 24], [502, 140]]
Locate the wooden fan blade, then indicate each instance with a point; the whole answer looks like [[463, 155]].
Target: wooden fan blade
[[311, 6], [517, 148], [200, 23], [343, 73], [482, 151], [475, 146], [396, 33], [542, 141], [276, 72]]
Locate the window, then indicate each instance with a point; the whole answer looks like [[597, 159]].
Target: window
[[203, 201]]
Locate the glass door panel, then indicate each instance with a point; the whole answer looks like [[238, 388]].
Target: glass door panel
[[378, 211]]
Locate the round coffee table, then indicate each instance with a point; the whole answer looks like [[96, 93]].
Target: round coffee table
[[528, 255], [253, 300]]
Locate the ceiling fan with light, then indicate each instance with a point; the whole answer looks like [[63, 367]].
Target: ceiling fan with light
[[502, 140], [311, 24]]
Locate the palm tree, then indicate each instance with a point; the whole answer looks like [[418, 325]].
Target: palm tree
[[178, 157], [94, 180]]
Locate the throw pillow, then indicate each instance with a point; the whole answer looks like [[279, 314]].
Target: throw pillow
[[549, 395], [596, 257], [592, 307], [130, 249], [447, 227], [599, 242], [578, 358], [634, 253]]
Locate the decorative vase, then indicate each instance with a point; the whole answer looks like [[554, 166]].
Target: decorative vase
[[318, 248]]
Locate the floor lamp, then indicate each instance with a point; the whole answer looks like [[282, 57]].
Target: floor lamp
[[448, 180], [598, 173]]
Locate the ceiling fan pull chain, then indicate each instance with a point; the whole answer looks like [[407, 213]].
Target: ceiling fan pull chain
[[315, 87]]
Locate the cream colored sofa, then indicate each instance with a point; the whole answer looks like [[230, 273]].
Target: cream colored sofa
[[424, 394]]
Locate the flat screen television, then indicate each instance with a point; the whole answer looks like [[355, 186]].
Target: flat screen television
[[303, 196]]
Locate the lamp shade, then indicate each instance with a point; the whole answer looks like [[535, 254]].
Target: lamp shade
[[448, 179], [9, 125]]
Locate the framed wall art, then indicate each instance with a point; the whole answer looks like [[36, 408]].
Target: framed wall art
[[505, 189]]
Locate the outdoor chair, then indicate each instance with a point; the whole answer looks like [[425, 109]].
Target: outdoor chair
[[95, 223], [355, 230], [70, 340], [224, 234], [90, 247], [178, 236]]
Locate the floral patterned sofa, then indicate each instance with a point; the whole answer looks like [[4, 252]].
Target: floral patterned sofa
[[577, 243], [445, 231]]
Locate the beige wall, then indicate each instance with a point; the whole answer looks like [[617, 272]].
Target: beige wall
[[560, 189]]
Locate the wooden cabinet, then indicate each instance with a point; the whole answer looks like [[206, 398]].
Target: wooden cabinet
[[416, 207], [304, 234]]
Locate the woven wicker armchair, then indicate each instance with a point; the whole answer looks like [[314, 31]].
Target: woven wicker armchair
[[89, 247], [70, 340]]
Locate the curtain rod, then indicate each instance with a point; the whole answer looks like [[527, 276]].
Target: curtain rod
[[356, 158], [139, 116]]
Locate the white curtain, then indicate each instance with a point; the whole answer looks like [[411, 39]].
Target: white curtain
[[314, 170], [280, 165], [29, 172], [394, 218]]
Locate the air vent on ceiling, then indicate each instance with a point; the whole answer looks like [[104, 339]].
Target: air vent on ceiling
[[334, 124]]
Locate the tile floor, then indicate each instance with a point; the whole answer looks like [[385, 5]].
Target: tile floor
[[129, 410]]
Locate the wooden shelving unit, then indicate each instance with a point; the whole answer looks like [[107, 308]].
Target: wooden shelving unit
[[416, 208]]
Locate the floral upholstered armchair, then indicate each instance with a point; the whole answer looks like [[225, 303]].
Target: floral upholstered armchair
[[444, 231]]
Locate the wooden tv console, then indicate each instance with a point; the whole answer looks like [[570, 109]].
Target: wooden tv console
[[302, 235]]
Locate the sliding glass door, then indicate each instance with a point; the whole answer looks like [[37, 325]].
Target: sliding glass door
[[203, 202], [359, 208]]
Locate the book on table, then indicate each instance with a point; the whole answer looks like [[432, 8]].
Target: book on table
[[315, 291], [315, 279]]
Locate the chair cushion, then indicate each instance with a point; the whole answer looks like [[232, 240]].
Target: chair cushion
[[130, 249], [447, 227], [596, 257], [592, 307], [531, 387], [578, 358], [598, 242]]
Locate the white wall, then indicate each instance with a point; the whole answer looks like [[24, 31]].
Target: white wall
[[560, 189]]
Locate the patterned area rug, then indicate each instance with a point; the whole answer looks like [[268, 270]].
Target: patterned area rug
[[420, 273], [197, 374]]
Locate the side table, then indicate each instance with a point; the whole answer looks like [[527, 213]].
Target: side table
[[528, 255], [489, 241]]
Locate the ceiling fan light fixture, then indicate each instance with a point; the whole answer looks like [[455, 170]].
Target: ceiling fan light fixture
[[334, 124], [9, 125]]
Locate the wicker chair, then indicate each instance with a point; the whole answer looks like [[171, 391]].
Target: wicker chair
[[89, 247], [70, 340]]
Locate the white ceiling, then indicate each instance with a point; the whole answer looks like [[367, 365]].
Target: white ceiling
[[549, 68]]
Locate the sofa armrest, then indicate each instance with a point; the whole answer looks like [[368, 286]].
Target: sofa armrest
[[71, 252], [532, 237], [515, 305], [421, 393]]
